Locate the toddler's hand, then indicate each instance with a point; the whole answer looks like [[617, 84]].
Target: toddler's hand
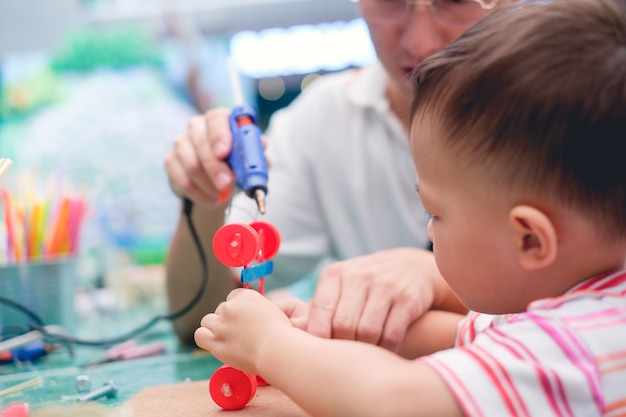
[[240, 328]]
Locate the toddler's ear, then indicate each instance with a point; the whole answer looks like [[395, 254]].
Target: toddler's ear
[[535, 237]]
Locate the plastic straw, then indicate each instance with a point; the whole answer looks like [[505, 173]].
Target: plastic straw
[[5, 164], [40, 220]]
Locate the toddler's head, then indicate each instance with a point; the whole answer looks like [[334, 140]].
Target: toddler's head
[[519, 138]]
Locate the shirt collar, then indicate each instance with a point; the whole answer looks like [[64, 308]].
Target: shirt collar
[[368, 88], [612, 284]]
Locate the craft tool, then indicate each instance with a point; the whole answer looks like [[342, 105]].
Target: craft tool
[[82, 384], [109, 390], [247, 157], [128, 350], [29, 352], [26, 338]]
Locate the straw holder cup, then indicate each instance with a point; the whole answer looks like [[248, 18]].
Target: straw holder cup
[[47, 288]]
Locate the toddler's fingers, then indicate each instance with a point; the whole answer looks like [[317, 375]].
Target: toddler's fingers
[[234, 293], [204, 338], [208, 320]]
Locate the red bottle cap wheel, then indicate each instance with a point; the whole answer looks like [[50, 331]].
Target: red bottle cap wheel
[[270, 238], [231, 388], [236, 244]]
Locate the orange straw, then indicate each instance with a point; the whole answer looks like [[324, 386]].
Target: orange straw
[[59, 242]]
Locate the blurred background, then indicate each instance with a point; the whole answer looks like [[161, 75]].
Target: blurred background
[[94, 92]]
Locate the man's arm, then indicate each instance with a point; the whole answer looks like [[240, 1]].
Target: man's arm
[[184, 271], [197, 169]]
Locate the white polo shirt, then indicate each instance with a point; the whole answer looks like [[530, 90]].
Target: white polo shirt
[[342, 180]]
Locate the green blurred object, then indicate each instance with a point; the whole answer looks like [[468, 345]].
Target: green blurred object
[[113, 47], [149, 251], [10, 132], [19, 100]]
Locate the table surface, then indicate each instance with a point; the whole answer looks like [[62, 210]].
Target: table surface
[[58, 369], [192, 400]]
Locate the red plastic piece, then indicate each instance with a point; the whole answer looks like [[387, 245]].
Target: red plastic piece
[[270, 238], [236, 244], [19, 409], [232, 389], [260, 381]]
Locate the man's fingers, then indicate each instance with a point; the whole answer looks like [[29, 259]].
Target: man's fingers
[[323, 305], [213, 141], [291, 306], [204, 168], [219, 134], [395, 327], [299, 322], [184, 155], [372, 320], [182, 185], [349, 309]]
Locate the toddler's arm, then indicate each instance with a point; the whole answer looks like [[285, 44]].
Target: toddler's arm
[[326, 377]]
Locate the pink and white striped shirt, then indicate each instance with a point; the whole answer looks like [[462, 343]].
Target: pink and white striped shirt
[[564, 356]]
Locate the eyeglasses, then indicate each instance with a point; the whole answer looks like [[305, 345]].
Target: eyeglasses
[[448, 12]]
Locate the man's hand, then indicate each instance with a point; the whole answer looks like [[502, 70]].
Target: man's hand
[[296, 309], [196, 165], [375, 298]]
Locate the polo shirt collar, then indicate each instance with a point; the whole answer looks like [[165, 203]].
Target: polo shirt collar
[[369, 88]]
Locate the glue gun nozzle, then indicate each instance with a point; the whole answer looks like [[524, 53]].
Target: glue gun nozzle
[[259, 196]]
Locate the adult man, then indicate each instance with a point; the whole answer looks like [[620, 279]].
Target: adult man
[[341, 187]]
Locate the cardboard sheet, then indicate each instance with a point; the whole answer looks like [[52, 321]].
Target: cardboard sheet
[[192, 399]]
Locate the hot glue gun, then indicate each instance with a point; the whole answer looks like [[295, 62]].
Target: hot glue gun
[[247, 157]]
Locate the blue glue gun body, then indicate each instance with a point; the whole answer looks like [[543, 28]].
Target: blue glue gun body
[[247, 158]]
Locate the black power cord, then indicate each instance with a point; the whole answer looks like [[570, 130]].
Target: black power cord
[[38, 324]]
